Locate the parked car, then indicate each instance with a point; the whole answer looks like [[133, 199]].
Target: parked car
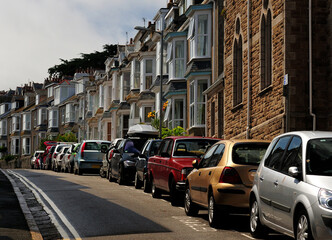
[[55, 154], [222, 180], [149, 149], [104, 169], [67, 165], [89, 156], [123, 161], [36, 155], [60, 157], [48, 158], [292, 190], [169, 168]]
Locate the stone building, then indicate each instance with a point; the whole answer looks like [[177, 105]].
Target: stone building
[[275, 72]]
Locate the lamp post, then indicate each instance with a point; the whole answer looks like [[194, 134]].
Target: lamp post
[[161, 33]]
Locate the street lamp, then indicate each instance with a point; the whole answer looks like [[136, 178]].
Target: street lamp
[[161, 33]]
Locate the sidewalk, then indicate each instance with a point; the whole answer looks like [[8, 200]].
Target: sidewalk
[[13, 224]]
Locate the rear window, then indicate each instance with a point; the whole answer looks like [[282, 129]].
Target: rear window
[[95, 145], [192, 147], [249, 153]]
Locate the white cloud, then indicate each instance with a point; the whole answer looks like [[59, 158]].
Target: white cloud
[[37, 33]]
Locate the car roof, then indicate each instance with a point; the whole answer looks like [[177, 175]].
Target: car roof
[[244, 141], [190, 137], [306, 135], [104, 141]]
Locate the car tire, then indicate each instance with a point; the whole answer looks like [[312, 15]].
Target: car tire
[[79, 171], [138, 183], [257, 230], [303, 227], [155, 192], [190, 208], [102, 173], [146, 185], [213, 213], [121, 175]]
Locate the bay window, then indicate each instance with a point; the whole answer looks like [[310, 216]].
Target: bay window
[[3, 127], [125, 88], [15, 123], [101, 96], [197, 102], [15, 146], [175, 112], [144, 114], [176, 53], [42, 118], [70, 113], [135, 74], [53, 118], [147, 73], [26, 121], [63, 115], [199, 35], [26, 146]]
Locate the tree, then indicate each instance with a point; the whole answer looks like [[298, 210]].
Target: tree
[[95, 60], [67, 137]]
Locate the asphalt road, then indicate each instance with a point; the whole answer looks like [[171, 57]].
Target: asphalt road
[[92, 207]]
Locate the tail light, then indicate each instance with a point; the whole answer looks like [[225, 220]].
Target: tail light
[[82, 150], [68, 156], [230, 175], [110, 155], [184, 173], [55, 155]]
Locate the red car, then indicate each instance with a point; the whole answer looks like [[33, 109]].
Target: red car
[[168, 169]]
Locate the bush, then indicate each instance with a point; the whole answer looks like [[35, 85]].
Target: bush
[[8, 158]]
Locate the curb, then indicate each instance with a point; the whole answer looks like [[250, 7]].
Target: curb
[[34, 230]]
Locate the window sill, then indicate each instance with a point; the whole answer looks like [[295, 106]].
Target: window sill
[[265, 90], [237, 107]]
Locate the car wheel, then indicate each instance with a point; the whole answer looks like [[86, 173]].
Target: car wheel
[[79, 171], [121, 177], [257, 230], [102, 173], [155, 192], [302, 228], [213, 212], [146, 185], [138, 183], [190, 208]]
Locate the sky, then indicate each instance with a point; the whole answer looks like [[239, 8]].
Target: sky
[[35, 34]]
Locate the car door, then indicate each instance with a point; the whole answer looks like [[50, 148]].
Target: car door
[[116, 159], [287, 185], [269, 177], [198, 177], [141, 161], [165, 163]]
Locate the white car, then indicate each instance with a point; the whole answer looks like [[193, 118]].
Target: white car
[[59, 158], [34, 157], [292, 190]]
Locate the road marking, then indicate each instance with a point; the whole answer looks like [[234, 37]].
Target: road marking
[[247, 236], [37, 192], [195, 224]]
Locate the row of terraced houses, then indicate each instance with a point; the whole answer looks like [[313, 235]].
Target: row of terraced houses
[[231, 69]]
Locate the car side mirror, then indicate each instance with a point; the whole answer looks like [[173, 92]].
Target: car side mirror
[[294, 172], [195, 164], [103, 148]]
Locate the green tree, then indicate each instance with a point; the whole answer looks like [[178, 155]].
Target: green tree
[[67, 137]]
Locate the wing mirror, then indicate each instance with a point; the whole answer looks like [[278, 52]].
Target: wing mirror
[[195, 164], [294, 172]]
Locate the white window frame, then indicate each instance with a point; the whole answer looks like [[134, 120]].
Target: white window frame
[[193, 35], [42, 116], [101, 96], [26, 121], [26, 145], [144, 113], [3, 127], [170, 113], [144, 74], [70, 113], [16, 124], [53, 118], [172, 60], [50, 92], [15, 146], [193, 105], [37, 99], [135, 75]]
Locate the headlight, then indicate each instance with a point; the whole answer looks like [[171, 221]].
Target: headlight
[[128, 163], [325, 198]]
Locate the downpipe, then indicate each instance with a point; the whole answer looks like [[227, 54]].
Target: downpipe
[[310, 68], [249, 73]]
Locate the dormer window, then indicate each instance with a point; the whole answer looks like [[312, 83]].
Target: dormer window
[[26, 101], [50, 92]]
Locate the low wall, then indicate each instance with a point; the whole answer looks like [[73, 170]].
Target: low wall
[[23, 162]]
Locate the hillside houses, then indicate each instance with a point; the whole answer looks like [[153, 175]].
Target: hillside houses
[[230, 69]]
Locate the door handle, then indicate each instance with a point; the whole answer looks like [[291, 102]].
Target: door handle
[[199, 174], [276, 183], [210, 173], [261, 178]]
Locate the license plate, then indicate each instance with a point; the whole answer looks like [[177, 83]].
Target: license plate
[[95, 166]]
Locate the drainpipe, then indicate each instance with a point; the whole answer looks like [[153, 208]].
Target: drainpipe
[[310, 68], [249, 73]]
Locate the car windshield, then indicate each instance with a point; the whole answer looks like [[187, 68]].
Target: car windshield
[[319, 157], [249, 153], [192, 147]]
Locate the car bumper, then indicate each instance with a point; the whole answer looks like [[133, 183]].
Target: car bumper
[[236, 196], [321, 222], [90, 165], [181, 186]]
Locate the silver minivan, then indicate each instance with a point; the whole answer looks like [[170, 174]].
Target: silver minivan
[[292, 191]]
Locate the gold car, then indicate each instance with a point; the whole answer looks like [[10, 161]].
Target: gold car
[[222, 180]]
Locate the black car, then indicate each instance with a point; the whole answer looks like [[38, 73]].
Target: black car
[[123, 161], [150, 149]]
